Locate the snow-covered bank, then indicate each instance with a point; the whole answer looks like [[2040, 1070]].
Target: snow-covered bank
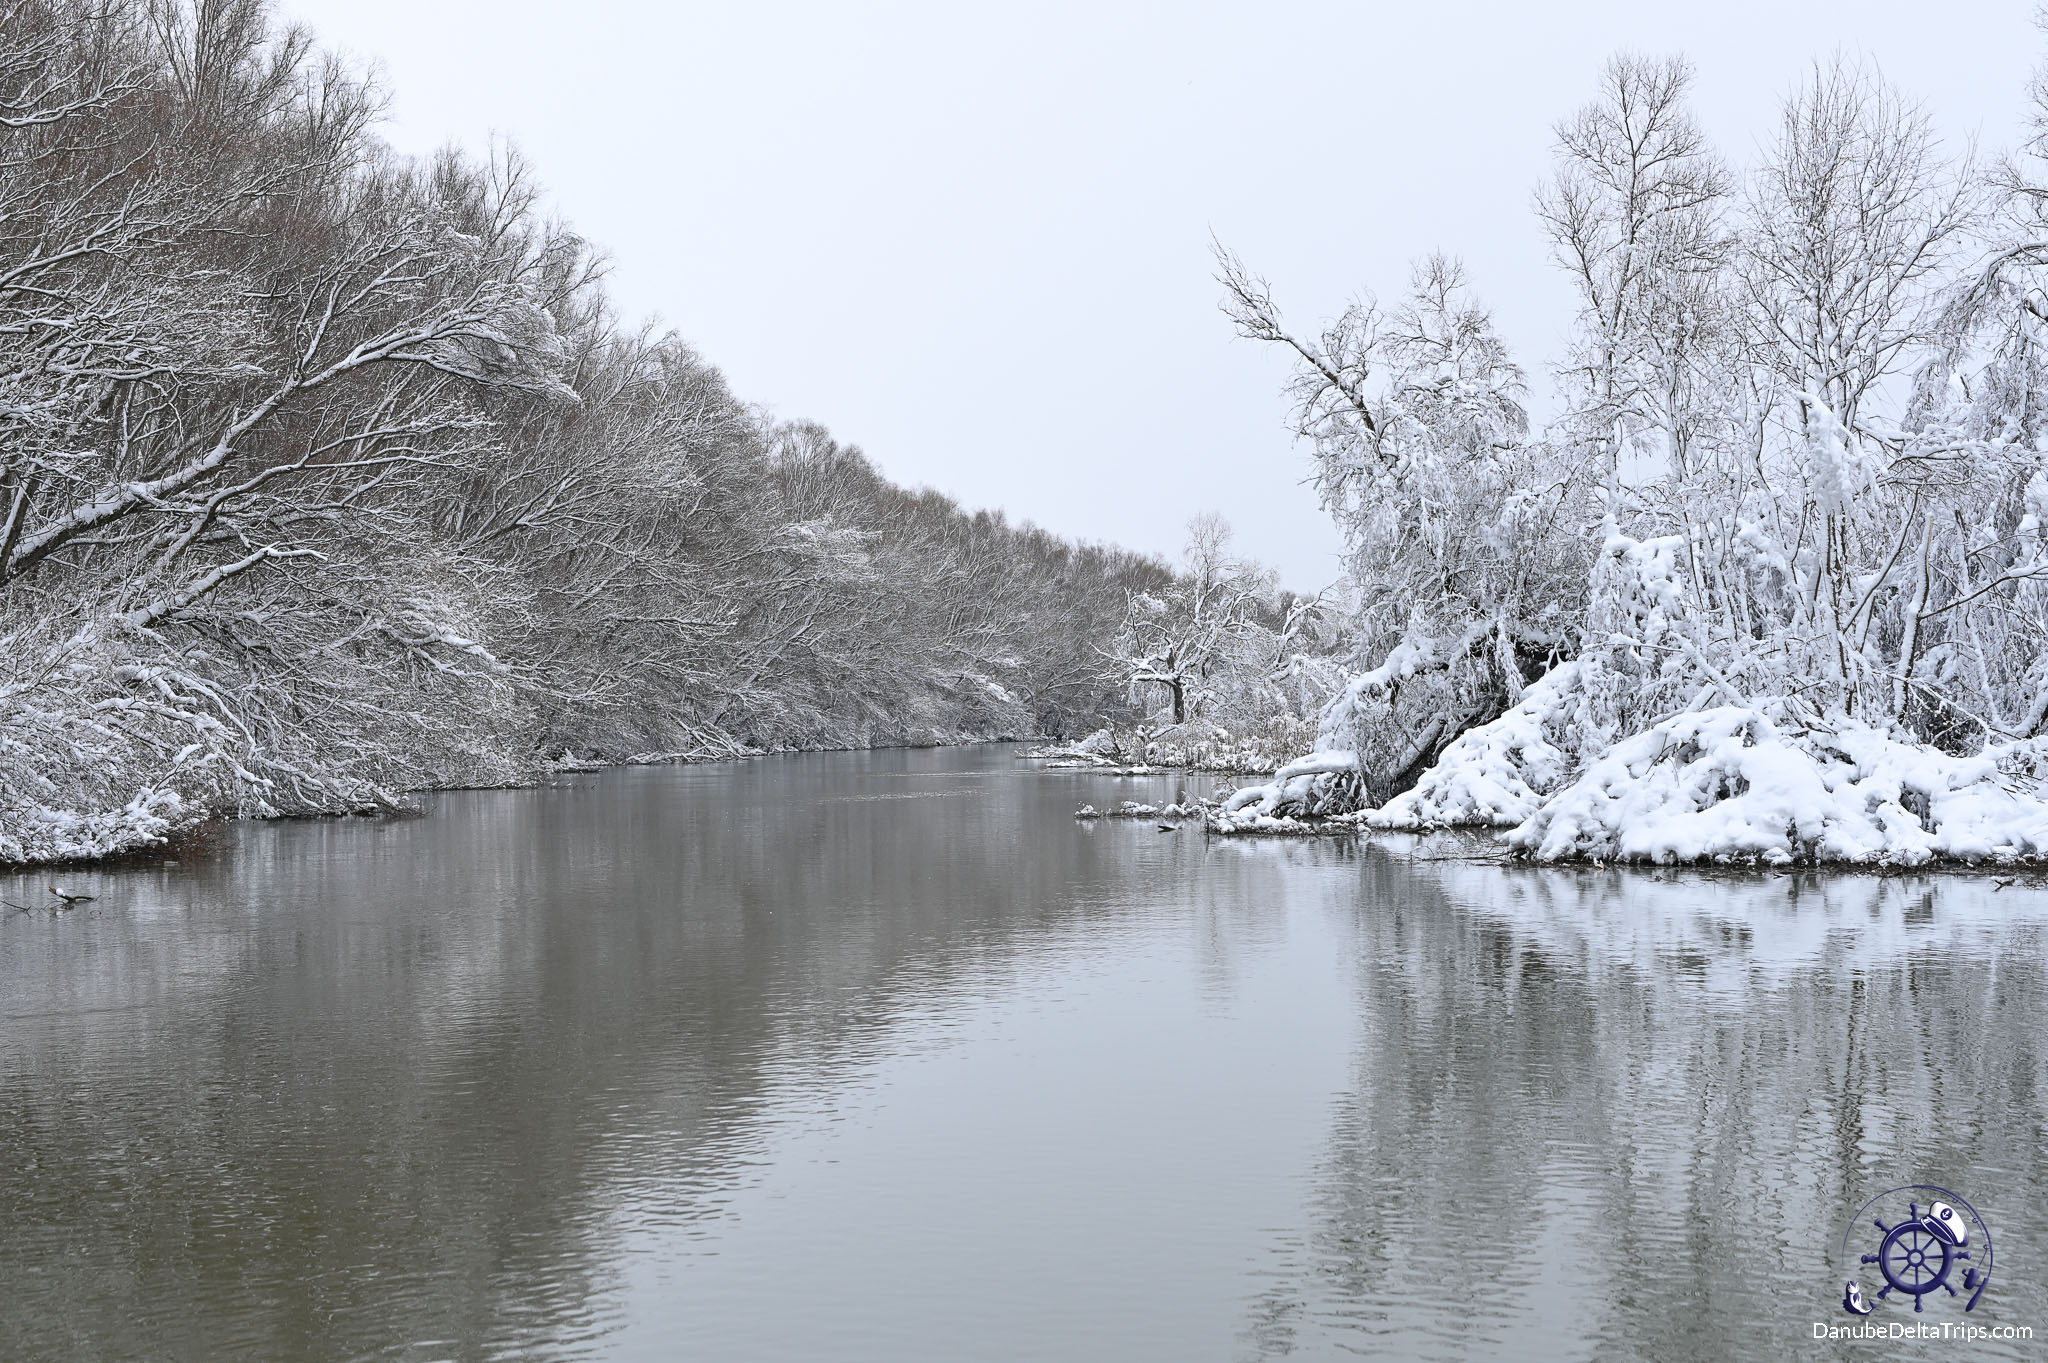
[[1728, 784], [159, 822], [1770, 584]]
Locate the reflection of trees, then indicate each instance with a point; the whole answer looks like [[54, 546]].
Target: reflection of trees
[[1613, 1116], [346, 1087]]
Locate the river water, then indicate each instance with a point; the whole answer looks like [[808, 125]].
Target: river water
[[885, 1056]]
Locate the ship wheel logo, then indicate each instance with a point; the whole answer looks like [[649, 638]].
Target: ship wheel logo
[[1936, 1243]]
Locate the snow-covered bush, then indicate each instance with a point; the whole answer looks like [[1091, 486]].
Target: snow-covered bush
[[1318, 785], [1267, 744]]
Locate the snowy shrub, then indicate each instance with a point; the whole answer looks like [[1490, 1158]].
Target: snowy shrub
[[1267, 744]]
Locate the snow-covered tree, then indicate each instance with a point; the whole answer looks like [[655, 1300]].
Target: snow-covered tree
[[1200, 631], [328, 474], [1789, 564], [1459, 529]]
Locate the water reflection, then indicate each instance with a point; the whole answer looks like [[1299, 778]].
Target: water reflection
[[1608, 1115], [885, 1056]]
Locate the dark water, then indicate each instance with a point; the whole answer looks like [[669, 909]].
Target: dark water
[[883, 1056]]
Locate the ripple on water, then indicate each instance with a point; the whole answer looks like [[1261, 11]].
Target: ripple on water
[[885, 1056]]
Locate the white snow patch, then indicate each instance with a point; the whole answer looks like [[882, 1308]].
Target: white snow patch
[[1730, 784]]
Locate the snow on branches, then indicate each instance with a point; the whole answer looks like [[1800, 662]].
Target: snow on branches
[[1773, 585], [326, 475]]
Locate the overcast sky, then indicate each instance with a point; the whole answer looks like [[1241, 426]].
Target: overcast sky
[[973, 238]]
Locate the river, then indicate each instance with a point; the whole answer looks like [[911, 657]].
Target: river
[[886, 1056]]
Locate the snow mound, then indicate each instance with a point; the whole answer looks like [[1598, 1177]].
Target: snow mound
[[1101, 743], [1132, 809], [1495, 774], [1729, 784]]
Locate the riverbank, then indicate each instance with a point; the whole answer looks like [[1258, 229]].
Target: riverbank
[[1728, 785], [157, 831]]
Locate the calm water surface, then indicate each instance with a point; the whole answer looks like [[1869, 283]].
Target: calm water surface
[[884, 1056]]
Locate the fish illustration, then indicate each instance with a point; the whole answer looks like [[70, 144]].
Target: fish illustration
[[1852, 1299]]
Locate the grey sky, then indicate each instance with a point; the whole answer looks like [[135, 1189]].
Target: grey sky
[[973, 239]]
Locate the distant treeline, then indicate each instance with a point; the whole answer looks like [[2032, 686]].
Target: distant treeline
[[328, 474]]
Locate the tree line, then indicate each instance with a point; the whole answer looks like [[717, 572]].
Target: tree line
[[327, 474]]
